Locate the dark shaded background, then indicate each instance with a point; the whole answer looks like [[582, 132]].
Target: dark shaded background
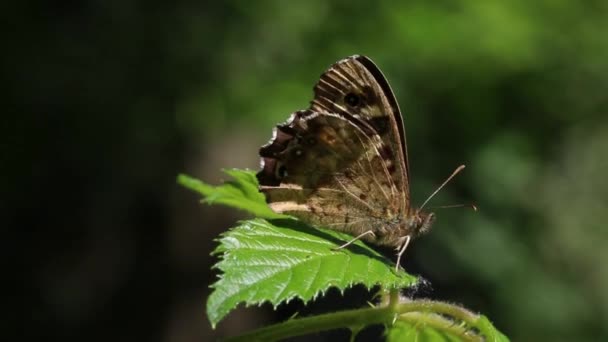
[[107, 101]]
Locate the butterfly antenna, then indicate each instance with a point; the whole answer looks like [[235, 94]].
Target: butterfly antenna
[[458, 169], [471, 205]]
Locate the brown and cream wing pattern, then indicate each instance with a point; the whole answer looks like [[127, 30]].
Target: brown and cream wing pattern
[[341, 163], [355, 86]]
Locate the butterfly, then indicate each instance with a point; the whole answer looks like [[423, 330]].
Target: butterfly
[[342, 163]]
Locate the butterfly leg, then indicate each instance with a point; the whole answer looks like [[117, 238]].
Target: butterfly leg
[[401, 250], [369, 232]]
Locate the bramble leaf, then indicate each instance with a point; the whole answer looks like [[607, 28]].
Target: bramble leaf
[[276, 258], [276, 261], [241, 192], [432, 326], [405, 331]]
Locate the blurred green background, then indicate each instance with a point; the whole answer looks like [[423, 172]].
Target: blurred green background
[[107, 101]]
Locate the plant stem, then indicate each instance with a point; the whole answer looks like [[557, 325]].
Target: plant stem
[[452, 310], [301, 326], [357, 318], [393, 298]]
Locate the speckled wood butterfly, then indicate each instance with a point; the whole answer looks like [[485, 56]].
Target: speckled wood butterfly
[[342, 163]]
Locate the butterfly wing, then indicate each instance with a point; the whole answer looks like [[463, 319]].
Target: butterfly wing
[[355, 86], [341, 163]]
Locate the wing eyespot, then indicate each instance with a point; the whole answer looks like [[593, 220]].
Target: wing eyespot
[[352, 99]]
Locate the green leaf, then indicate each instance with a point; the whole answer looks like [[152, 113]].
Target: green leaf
[[278, 260], [489, 331], [435, 327], [403, 331], [442, 322], [241, 193]]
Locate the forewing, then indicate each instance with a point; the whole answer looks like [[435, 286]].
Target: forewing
[[355, 87]]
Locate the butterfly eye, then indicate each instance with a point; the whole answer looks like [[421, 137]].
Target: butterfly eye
[[352, 99]]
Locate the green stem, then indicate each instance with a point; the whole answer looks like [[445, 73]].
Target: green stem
[[393, 298], [360, 317], [451, 310], [306, 325]]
